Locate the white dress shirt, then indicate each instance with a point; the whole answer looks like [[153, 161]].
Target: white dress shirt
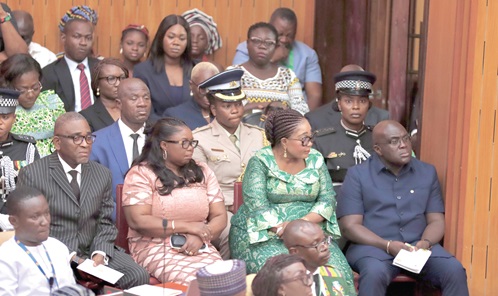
[[41, 54], [75, 75], [126, 131]]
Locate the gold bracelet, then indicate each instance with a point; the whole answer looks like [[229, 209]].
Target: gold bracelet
[[305, 219], [387, 248], [173, 225]]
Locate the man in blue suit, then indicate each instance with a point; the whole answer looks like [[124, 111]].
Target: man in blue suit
[[119, 144]]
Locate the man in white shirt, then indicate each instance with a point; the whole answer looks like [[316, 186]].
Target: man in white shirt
[[70, 76], [40, 261], [80, 200], [26, 29], [118, 152]]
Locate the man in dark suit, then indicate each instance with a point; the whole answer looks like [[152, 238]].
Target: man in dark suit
[[80, 200], [70, 76], [121, 142]]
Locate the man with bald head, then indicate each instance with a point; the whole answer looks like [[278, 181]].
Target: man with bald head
[[121, 142], [195, 112], [307, 240], [329, 115], [79, 196], [26, 29], [391, 200]]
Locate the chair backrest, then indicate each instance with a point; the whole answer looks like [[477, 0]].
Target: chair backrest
[[121, 223], [5, 236], [238, 199]]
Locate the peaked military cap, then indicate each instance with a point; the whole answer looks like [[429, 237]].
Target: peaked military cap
[[8, 100], [357, 83], [225, 85]]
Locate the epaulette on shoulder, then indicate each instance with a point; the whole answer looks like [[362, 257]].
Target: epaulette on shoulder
[[253, 126], [24, 138], [325, 131], [202, 128]]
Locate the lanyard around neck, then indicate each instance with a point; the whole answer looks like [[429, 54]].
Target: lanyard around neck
[[50, 280]]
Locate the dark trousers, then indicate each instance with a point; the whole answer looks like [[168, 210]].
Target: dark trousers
[[447, 274]]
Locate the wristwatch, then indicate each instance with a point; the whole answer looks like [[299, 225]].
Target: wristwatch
[[6, 18], [75, 262]]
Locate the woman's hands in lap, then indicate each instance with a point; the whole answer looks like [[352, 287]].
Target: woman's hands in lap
[[192, 245]]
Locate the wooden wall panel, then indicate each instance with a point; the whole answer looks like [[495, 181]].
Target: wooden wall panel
[[460, 98], [232, 16]]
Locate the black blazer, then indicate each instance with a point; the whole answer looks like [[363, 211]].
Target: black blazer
[[56, 76], [97, 116]]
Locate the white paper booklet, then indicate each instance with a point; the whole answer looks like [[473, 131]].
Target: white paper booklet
[[100, 271], [412, 261], [148, 290]]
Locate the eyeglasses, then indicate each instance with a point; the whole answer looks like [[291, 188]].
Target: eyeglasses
[[306, 279], [318, 246], [396, 141], [89, 139], [267, 43], [185, 143], [305, 140], [113, 79], [37, 88]]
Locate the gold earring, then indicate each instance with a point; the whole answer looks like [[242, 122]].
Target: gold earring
[[285, 152], [191, 93], [97, 92], [165, 154], [121, 50]]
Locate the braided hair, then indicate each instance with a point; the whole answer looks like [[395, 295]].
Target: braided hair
[[281, 124], [152, 156]]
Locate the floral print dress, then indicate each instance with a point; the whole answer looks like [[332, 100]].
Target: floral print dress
[[271, 197]]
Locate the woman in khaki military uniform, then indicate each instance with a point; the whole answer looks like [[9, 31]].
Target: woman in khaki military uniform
[[226, 144]]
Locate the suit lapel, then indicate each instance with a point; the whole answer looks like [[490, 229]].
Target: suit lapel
[[223, 139], [245, 141], [85, 182], [118, 149], [57, 173], [66, 81]]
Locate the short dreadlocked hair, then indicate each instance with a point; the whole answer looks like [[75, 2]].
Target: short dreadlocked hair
[[281, 124]]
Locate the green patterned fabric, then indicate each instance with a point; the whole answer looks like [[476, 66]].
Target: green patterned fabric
[[39, 120], [272, 196]]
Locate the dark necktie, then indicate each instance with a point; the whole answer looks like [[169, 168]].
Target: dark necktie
[[135, 146], [86, 101], [316, 279], [74, 184]]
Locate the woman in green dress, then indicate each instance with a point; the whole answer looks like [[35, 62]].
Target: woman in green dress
[[37, 109], [283, 182]]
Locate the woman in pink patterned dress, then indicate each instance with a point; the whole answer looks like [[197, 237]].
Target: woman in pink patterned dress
[[166, 192]]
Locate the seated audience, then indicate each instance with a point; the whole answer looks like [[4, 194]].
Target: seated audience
[[307, 240], [195, 112], [11, 41], [329, 114], [32, 263], [26, 29], [283, 275], [283, 182], [226, 144], [70, 76], [389, 201], [121, 143], [263, 81], [348, 141], [37, 109], [223, 278], [134, 41], [80, 200], [167, 193], [167, 69], [106, 77], [292, 54], [16, 151], [204, 36]]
